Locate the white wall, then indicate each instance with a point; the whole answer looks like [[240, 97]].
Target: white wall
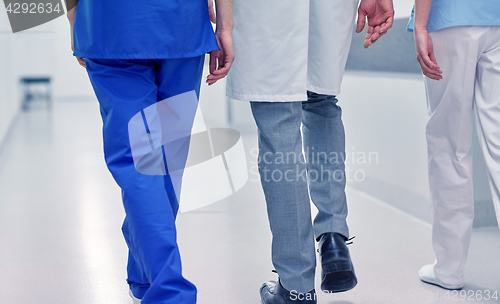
[[70, 79], [8, 85], [403, 8], [43, 50]]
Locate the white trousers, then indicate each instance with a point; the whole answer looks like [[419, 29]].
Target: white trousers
[[470, 60]]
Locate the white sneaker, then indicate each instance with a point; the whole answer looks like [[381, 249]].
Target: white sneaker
[[134, 299], [427, 275]]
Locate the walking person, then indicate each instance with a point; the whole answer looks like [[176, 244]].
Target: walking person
[[139, 53], [458, 49], [290, 58]]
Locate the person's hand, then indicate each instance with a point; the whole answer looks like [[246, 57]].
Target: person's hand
[[211, 10], [71, 17], [221, 60], [380, 14], [425, 55]]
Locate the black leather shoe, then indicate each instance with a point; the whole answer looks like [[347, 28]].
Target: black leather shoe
[[273, 292], [337, 273]]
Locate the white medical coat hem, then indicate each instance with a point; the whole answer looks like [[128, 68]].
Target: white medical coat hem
[[323, 91], [267, 98]]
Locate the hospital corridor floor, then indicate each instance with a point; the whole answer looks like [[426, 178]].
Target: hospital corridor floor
[[61, 241]]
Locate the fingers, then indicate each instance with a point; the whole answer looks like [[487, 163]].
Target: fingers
[[426, 54], [213, 78], [213, 60], [369, 36], [386, 25], [223, 70], [432, 73], [212, 16], [225, 62], [431, 65], [374, 33], [368, 43], [433, 62], [221, 60], [361, 20], [211, 11], [81, 61]]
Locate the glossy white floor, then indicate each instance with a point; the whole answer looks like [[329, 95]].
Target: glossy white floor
[[60, 219]]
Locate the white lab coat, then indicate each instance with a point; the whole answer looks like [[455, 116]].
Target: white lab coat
[[284, 48]]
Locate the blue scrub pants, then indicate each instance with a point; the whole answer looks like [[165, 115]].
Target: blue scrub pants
[[124, 88]]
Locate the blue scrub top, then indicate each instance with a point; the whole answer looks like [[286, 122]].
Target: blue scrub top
[[138, 29], [449, 13]]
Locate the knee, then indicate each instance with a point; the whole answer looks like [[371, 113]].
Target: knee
[[322, 104]]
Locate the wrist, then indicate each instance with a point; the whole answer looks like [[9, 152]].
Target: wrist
[[71, 16], [71, 13], [420, 28], [224, 28]]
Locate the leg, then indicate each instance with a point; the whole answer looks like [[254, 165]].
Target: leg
[[487, 112], [137, 279], [450, 156], [125, 88], [283, 175], [172, 82], [324, 143]]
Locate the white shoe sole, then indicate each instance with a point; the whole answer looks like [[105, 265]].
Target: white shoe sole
[[134, 299], [427, 275]]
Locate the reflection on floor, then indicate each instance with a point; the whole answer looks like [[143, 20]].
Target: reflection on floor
[[60, 219]]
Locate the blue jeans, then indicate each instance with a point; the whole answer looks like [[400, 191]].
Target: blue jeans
[[291, 178], [124, 88]]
